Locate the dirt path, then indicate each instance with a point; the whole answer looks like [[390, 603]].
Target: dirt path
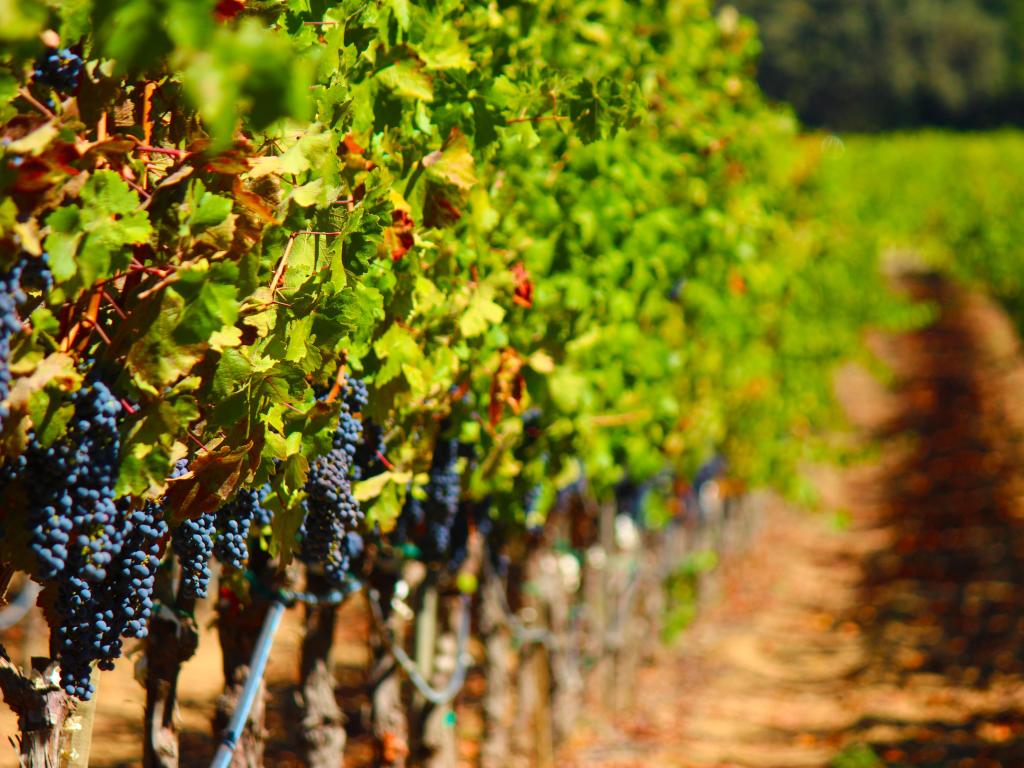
[[899, 637]]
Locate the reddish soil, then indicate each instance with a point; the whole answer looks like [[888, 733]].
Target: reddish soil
[[899, 636]]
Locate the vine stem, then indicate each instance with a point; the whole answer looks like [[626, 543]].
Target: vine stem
[[538, 119], [385, 462], [113, 304], [41, 707], [23, 92], [323, 723], [171, 278], [339, 381], [91, 312], [197, 441], [179, 153], [6, 574], [282, 265]]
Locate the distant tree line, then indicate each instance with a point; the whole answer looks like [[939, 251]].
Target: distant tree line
[[881, 64]]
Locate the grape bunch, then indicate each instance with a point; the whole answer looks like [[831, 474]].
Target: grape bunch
[[10, 325], [95, 615], [458, 548], [139, 569], [102, 554], [368, 460], [350, 428], [631, 498], [192, 542], [59, 69], [329, 532], [234, 520], [263, 516], [34, 273], [410, 519], [70, 487], [442, 503], [433, 523]]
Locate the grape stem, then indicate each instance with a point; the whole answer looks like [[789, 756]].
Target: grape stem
[[339, 380]]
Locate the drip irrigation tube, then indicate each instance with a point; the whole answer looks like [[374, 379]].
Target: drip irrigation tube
[[19, 606], [521, 634], [280, 599], [252, 683], [290, 597], [458, 678]]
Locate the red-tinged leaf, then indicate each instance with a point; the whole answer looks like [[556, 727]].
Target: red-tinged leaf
[[34, 175], [352, 146], [506, 386], [178, 176], [398, 237], [213, 478], [253, 203], [737, 285], [438, 210], [229, 163], [111, 147], [225, 10], [460, 391], [524, 286]]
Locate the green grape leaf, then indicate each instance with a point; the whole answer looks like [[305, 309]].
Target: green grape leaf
[[406, 80], [396, 348], [453, 165], [481, 313]]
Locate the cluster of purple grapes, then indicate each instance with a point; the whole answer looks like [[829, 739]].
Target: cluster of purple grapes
[[531, 433], [330, 535], [234, 520], [70, 487], [102, 555], [442, 503], [97, 614], [368, 460], [30, 272], [10, 325], [263, 515], [59, 69], [469, 512], [631, 498], [350, 427], [192, 542], [437, 524]]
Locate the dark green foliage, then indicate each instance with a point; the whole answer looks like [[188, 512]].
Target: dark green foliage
[[875, 64]]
